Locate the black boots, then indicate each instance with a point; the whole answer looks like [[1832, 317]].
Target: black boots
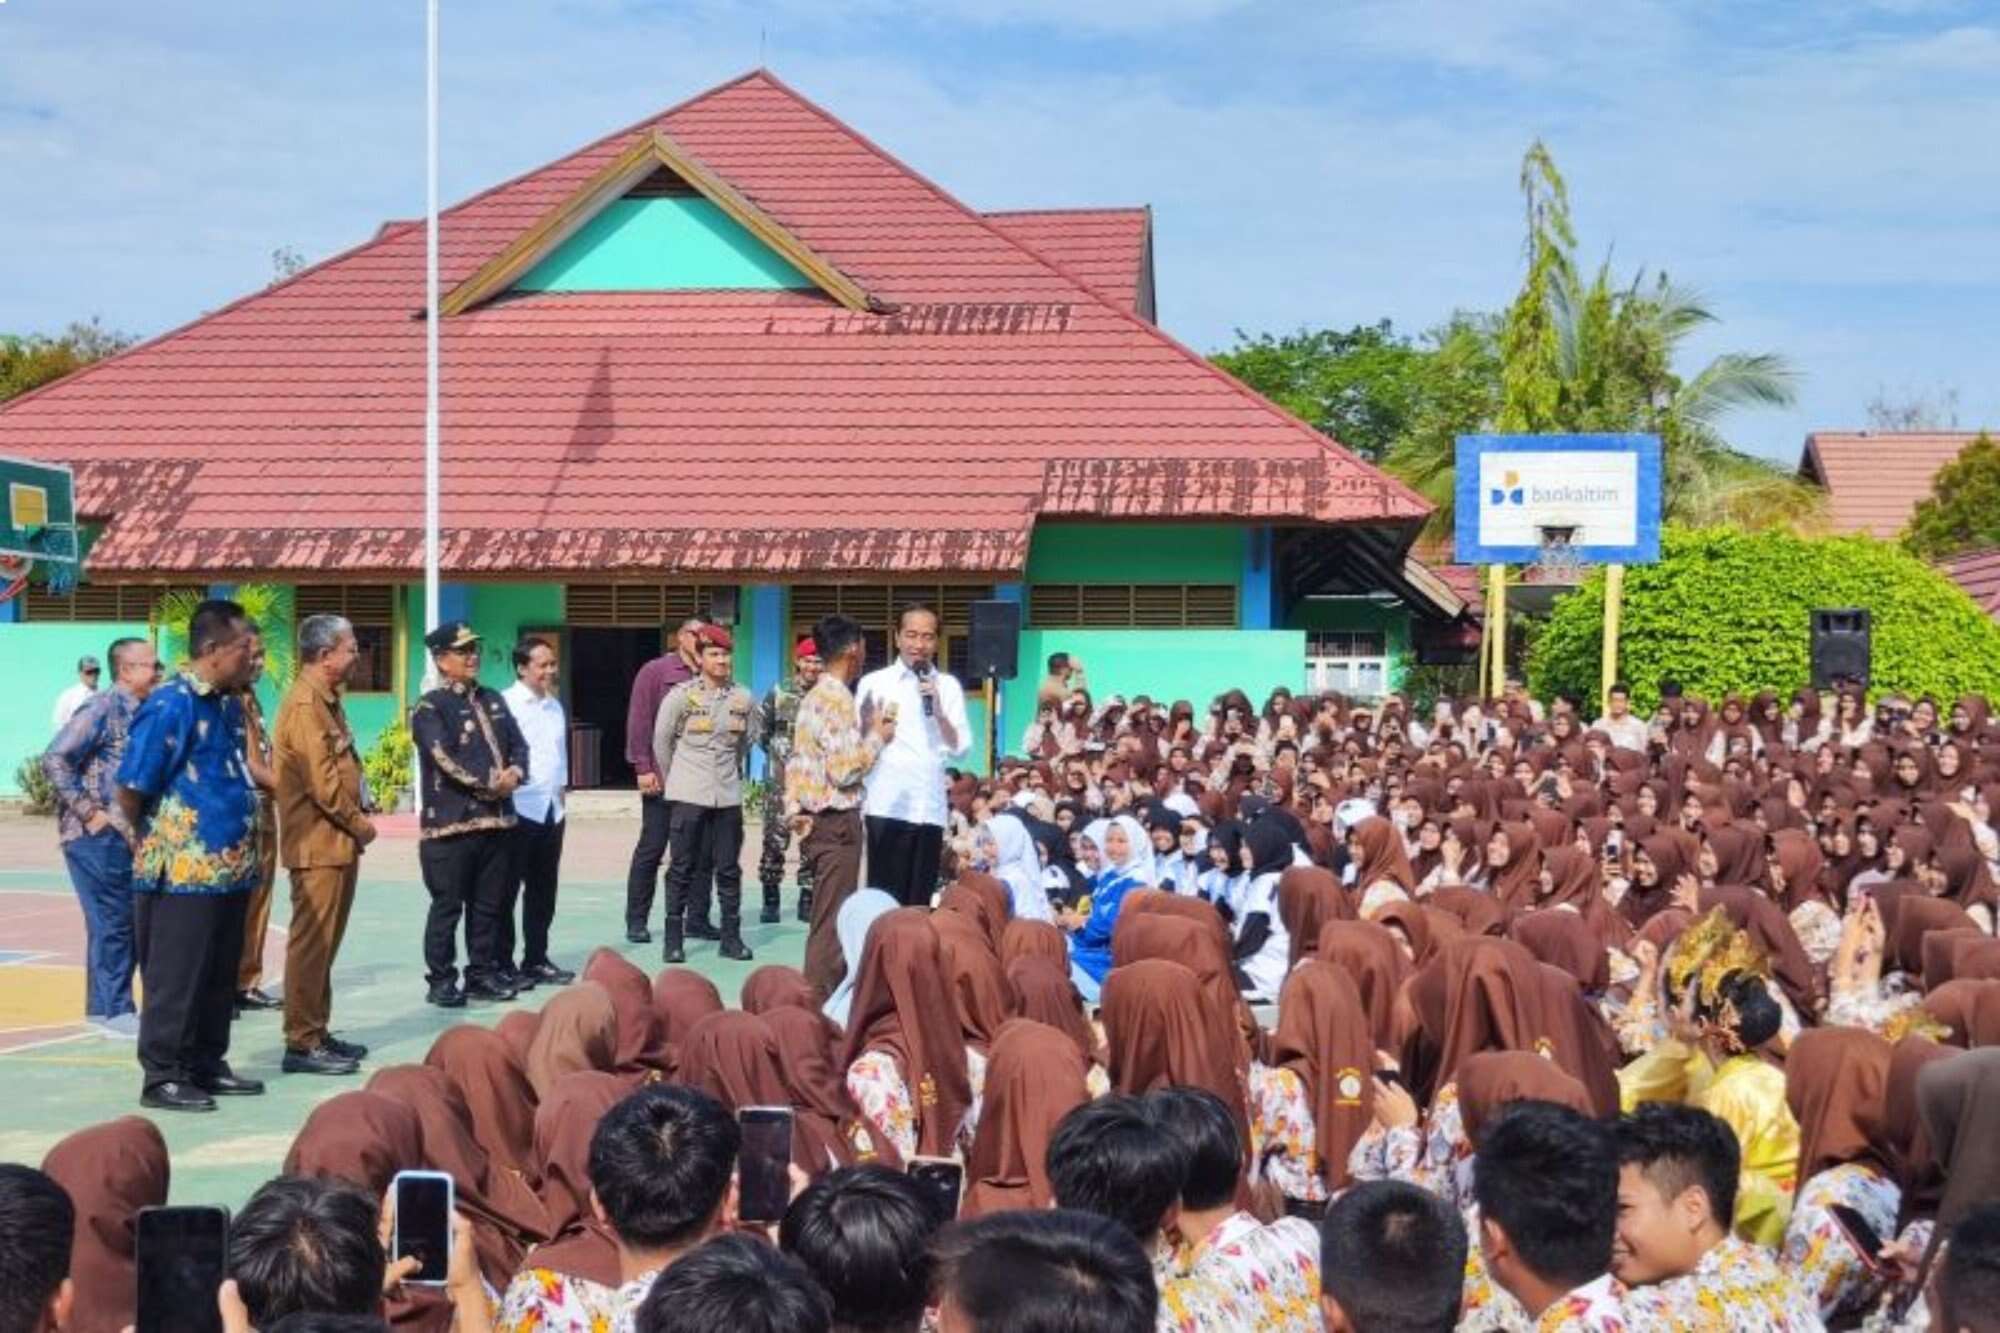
[[773, 908], [673, 952], [805, 904], [732, 946]]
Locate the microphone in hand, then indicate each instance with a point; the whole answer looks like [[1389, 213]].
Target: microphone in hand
[[926, 689]]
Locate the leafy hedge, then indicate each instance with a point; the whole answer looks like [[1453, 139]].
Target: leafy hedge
[[1728, 610]]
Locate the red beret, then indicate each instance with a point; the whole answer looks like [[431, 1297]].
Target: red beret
[[805, 648], [715, 636]]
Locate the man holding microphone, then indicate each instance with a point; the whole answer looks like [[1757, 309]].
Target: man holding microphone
[[905, 808]]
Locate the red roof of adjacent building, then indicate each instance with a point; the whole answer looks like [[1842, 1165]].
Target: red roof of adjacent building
[[1875, 480], [1978, 572], [1109, 248], [715, 432]]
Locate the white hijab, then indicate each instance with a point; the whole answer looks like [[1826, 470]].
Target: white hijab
[[851, 925], [1019, 867], [1138, 864]]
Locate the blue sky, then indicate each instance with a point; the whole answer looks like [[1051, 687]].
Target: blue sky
[[1823, 172]]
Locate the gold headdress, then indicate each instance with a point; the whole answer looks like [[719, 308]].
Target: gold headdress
[[1915, 1021], [1708, 952]]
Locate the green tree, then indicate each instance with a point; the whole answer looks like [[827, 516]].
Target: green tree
[[1363, 386], [28, 362], [1962, 512]]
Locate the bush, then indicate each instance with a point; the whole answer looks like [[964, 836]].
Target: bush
[[1728, 610], [38, 795], [389, 765]]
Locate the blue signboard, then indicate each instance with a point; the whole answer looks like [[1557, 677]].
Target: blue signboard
[[1600, 491]]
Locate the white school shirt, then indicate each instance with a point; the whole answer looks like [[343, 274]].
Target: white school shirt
[[907, 782], [540, 718], [69, 701], [1266, 968]]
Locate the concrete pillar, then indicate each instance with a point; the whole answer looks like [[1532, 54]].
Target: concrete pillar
[[1254, 601]]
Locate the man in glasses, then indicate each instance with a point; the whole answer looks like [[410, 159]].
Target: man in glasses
[[472, 757], [88, 673]]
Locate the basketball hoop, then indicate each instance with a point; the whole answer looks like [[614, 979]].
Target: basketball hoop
[[1560, 561], [58, 544]]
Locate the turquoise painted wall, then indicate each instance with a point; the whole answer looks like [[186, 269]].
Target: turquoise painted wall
[[41, 663], [1136, 553], [499, 612], [1193, 664], [661, 245]]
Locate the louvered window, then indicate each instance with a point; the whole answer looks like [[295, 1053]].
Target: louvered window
[[371, 609], [651, 605], [1132, 606], [875, 605], [100, 602]]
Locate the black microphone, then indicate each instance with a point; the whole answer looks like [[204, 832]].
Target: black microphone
[[930, 700]]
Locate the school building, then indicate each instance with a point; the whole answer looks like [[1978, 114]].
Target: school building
[[734, 361]]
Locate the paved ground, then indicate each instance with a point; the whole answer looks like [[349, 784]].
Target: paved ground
[[58, 1077]]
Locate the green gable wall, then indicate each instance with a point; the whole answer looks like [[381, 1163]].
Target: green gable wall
[[1135, 553], [652, 245], [1358, 613]]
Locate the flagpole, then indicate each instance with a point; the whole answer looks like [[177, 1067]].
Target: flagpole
[[431, 318]]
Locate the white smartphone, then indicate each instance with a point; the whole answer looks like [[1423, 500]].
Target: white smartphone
[[763, 1163], [424, 1201]]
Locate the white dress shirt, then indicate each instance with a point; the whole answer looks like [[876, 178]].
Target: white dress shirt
[[69, 701], [540, 718], [907, 782]]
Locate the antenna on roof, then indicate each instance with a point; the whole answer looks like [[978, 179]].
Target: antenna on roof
[[763, 39]]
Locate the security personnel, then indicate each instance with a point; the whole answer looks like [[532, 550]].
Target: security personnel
[[472, 756], [701, 738], [775, 714]]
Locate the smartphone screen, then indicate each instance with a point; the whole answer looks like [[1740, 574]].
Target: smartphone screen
[[1866, 1243], [942, 1180], [423, 1223], [181, 1259], [763, 1175]]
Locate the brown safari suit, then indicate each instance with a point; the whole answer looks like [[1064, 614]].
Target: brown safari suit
[[320, 818]]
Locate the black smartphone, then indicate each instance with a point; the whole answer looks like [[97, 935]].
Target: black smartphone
[[423, 1224], [182, 1259], [942, 1179], [1859, 1234], [1390, 1077], [763, 1163]]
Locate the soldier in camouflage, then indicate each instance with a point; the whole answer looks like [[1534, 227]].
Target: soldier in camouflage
[[780, 707]]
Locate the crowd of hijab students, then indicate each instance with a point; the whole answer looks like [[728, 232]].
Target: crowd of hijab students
[[1743, 975]]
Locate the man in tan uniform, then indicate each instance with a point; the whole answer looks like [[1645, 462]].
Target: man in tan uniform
[[322, 826]]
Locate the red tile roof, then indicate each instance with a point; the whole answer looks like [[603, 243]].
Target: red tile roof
[[1874, 481], [1978, 572], [1109, 248], [713, 432]]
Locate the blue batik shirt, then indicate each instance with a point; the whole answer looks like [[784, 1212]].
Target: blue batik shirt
[[82, 762], [185, 756]]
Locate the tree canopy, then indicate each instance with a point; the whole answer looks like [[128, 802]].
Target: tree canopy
[[1962, 512], [29, 362]]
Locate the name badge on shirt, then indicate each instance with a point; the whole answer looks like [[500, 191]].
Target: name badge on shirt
[[701, 724]]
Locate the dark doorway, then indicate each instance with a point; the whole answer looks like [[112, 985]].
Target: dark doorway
[[602, 663]]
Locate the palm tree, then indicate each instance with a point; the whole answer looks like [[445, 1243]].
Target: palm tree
[[268, 604]]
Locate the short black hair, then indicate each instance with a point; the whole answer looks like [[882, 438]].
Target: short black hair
[[311, 1321], [215, 622], [734, 1284], [1681, 1146], [306, 1243], [524, 651], [864, 1233], [908, 609], [1109, 1157], [660, 1162], [37, 1227], [1669, 688], [1201, 1122], [833, 633], [116, 652], [1057, 661], [1758, 1017], [1969, 1281], [1047, 1271], [1548, 1176], [1619, 687], [1393, 1256]]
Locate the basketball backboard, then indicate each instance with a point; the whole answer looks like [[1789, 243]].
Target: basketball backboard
[[37, 511]]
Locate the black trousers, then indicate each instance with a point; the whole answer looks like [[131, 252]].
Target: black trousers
[[189, 945], [655, 832], [467, 876], [903, 859], [706, 833], [537, 854]]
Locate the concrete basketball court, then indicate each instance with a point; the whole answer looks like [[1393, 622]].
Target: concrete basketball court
[[58, 1075]]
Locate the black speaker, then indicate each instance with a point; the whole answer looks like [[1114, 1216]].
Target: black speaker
[[996, 641], [1840, 646]]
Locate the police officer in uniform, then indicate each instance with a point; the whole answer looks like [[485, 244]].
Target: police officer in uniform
[[471, 757], [775, 714]]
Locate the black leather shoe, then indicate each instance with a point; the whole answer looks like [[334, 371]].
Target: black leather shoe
[[446, 995], [488, 988], [347, 1050], [702, 930], [772, 913], [257, 998], [638, 935], [516, 980], [176, 1097], [733, 948], [548, 973], [672, 952], [323, 1060], [226, 1084]]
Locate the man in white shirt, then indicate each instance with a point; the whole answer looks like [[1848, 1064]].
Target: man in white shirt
[[538, 814], [79, 694], [905, 807], [1626, 730]]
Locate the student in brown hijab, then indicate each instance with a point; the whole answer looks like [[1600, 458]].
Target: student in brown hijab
[[1753, 912], [1836, 1083], [1955, 1004], [980, 994], [1514, 858], [683, 997], [1380, 858], [580, 1248], [1024, 938], [1308, 898], [1488, 1081], [1958, 1100], [1157, 1035], [578, 1031], [642, 1048], [1034, 1078], [1478, 994], [808, 1042], [496, 1090], [1739, 854], [506, 1215], [775, 985], [1368, 953], [1573, 879], [1157, 902], [1657, 866], [1572, 1031], [1565, 940], [733, 1057], [981, 899], [1044, 993], [1917, 917], [110, 1171], [517, 1027], [1477, 911], [898, 1012], [1323, 1042], [1187, 941], [362, 1138]]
